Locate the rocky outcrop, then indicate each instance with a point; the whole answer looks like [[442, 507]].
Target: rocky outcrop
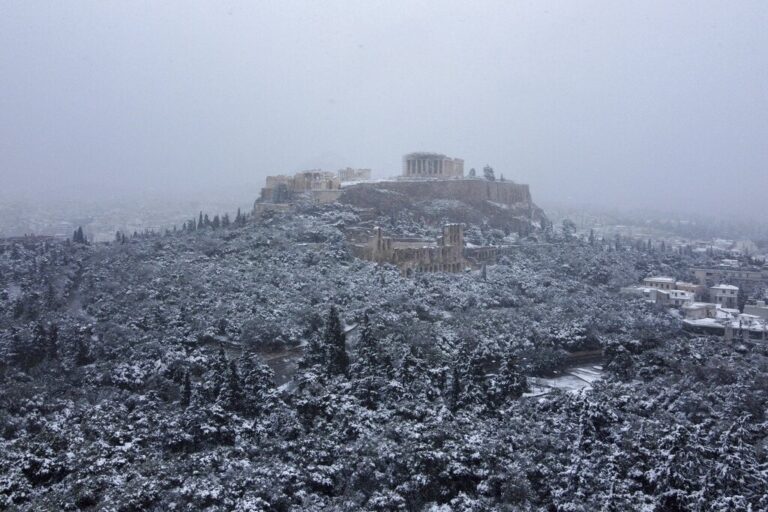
[[501, 204]]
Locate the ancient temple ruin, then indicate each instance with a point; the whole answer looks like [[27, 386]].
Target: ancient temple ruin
[[432, 165], [322, 186]]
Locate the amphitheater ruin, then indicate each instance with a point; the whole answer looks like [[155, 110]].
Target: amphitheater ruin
[[410, 255]]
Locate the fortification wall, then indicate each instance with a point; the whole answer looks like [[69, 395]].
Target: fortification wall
[[503, 192]]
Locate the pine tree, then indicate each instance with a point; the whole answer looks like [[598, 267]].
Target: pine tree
[[472, 173], [488, 173], [591, 237], [216, 223], [335, 344], [200, 224]]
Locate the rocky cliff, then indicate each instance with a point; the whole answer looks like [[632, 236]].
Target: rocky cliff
[[501, 204]]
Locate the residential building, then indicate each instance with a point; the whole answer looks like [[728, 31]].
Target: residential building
[[660, 283], [748, 279], [725, 295], [679, 298], [699, 292], [759, 309], [699, 310]]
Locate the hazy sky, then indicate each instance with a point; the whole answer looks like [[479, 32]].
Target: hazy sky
[[646, 103]]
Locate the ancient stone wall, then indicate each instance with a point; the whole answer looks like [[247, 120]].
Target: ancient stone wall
[[503, 192]]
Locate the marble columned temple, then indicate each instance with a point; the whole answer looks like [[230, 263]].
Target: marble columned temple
[[432, 165]]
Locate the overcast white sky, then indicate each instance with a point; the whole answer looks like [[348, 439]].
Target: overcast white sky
[[644, 103]]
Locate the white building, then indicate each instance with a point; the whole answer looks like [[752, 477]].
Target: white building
[[663, 291], [654, 295], [699, 310], [760, 309], [725, 295], [660, 283], [679, 298]]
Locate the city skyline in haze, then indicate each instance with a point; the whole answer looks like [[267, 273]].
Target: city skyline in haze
[[622, 105]]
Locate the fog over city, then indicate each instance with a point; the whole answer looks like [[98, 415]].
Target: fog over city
[[652, 104]]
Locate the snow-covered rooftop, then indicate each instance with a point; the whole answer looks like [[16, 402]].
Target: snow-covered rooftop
[[660, 279], [699, 305]]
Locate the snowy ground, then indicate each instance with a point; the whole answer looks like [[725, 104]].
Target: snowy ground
[[573, 380]]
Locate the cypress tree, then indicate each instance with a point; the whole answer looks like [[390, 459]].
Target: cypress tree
[[258, 384], [511, 383], [231, 395], [78, 236], [82, 354], [476, 388], [455, 387], [335, 344], [186, 390], [219, 370], [52, 345], [367, 349]]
